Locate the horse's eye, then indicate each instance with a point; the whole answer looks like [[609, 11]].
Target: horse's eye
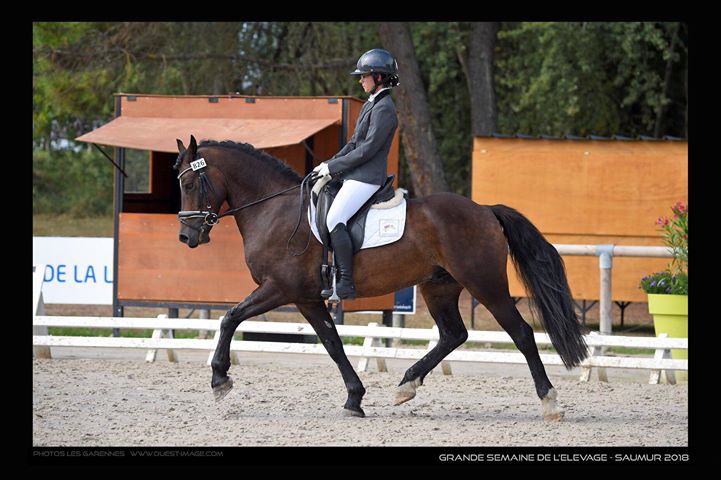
[[188, 186]]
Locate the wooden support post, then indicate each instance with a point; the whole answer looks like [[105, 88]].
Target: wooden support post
[[445, 366], [368, 343], [160, 333], [592, 352], [655, 377], [233, 355], [204, 314]]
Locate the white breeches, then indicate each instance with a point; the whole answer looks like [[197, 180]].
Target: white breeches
[[351, 197]]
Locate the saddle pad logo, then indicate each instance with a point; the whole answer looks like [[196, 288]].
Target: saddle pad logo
[[388, 228]]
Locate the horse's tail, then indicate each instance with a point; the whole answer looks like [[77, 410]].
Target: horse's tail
[[543, 273]]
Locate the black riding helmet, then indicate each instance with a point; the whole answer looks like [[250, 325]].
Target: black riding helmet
[[380, 61]]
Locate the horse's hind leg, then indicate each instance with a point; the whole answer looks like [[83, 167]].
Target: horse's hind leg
[[441, 296], [507, 315], [321, 321]]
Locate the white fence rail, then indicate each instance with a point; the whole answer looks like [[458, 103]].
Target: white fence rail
[[659, 360]]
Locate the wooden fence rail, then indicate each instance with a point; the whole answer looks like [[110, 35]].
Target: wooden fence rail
[[658, 361]]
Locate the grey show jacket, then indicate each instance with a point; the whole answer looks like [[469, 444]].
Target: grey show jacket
[[365, 157]]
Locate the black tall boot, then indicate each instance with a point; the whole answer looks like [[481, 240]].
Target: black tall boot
[[343, 250]]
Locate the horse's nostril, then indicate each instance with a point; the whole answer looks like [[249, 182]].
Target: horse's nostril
[[183, 238]]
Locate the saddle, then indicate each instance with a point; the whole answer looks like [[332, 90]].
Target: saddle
[[357, 223]]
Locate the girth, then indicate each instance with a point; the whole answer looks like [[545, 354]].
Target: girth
[[357, 223]]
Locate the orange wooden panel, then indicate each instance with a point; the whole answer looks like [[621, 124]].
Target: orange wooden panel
[[326, 143], [160, 133], [591, 187], [154, 265], [230, 107], [293, 155], [587, 192], [382, 302], [354, 108]]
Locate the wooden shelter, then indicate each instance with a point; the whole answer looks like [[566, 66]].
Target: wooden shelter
[[587, 191], [152, 268]]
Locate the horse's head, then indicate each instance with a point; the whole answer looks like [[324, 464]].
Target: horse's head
[[202, 192]]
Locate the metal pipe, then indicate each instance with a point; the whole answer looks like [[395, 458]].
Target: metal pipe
[[605, 264], [616, 251], [605, 253]]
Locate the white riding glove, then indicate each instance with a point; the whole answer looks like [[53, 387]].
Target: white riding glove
[[322, 170]]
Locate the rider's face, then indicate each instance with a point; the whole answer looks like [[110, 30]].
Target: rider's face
[[366, 81]]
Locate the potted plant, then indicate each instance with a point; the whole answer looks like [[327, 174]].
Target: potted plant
[[668, 290]]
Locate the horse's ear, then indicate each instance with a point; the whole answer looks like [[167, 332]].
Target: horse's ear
[[181, 147], [193, 147]]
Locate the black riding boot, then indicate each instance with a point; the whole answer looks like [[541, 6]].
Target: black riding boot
[[343, 250]]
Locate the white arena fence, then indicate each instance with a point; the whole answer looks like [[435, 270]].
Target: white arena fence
[[658, 362], [373, 334]]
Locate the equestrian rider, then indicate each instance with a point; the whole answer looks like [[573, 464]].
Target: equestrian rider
[[363, 162]]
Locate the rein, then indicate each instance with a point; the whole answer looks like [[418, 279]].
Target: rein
[[211, 218]]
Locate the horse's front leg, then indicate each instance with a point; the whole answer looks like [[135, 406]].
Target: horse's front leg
[[263, 299], [321, 321]]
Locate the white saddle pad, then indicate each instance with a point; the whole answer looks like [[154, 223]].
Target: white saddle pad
[[383, 225]]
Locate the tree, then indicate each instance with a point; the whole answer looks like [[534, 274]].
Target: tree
[[481, 81], [583, 78], [419, 143]]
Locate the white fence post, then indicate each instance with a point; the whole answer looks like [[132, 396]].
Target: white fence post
[[445, 366], [39, 309], [655, 376], [216, 337], [162, 333], [592, 352], [204, 314], [368, 343]]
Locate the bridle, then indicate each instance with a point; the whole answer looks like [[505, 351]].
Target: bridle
[[210, 218]]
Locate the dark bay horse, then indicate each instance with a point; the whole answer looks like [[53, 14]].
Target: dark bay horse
[[450, 243]]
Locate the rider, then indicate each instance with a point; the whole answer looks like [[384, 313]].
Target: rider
[[362, 163]]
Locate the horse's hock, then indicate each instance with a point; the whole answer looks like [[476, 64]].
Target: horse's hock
[[151, 265]]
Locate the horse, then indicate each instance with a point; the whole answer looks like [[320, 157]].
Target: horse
[[450, 243]]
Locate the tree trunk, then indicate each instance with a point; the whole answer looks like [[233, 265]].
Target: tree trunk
[[481, 82], [414, 117], [666, 84]]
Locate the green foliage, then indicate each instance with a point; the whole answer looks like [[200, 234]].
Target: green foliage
[[64, 181], [575, 78], [582, 78], [438, 46], [674, 279], [665, 282]]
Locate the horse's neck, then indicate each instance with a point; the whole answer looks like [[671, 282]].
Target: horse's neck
[[248, 180]]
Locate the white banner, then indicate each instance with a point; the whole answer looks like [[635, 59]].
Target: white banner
[[79, 269]]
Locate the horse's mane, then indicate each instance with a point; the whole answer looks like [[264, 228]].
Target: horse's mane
[[276, 164]]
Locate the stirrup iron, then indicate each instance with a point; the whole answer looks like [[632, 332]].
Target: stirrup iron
[[334, 298]]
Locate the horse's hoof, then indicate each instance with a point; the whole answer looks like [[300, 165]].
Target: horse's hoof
[[551, 412], [222, 390], [347, 412], [406, 391], [554, 417]]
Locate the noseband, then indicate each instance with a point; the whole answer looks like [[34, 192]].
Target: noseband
[[209, 217]]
